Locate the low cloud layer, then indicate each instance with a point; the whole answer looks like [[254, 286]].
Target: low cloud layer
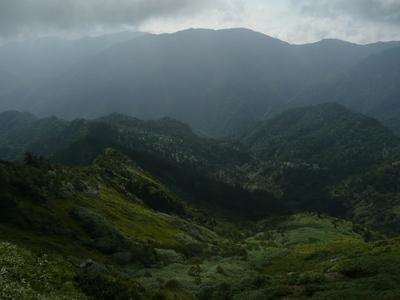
[[360, 21], [22, 16], [295, 21], [385, 11]]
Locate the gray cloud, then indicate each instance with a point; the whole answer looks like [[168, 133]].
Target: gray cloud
[[22, 16], [295, 21], [385, 11], [359, 21]]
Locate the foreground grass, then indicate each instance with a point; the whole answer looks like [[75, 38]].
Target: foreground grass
[[148, 244], [342, 266]]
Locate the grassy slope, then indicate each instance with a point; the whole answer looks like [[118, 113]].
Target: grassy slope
[[86, 212], [103, 192], [132, 226], [303, 256]]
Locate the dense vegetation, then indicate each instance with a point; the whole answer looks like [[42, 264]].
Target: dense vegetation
[[295, 160], [141, 253], [306, 152], [302, 206]]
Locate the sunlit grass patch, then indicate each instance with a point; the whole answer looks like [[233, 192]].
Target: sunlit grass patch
[[133, 219]]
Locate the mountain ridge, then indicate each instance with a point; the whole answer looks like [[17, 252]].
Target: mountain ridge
[[218, 81]]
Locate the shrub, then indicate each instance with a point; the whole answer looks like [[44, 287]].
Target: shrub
[[215, 291], [197, 281], [365, 266], [24, 275], [310, 278], [277, 291], [194, 271], [172, 284], [106, 287], [317, 254], [220, 270], [107, 238]]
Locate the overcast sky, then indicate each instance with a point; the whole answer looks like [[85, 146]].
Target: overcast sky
[[294, 21]]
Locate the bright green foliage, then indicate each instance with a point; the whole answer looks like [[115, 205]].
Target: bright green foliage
[[302, 268], [25, 275], [76, 211], [281, 260]]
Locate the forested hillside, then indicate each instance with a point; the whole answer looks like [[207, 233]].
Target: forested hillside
[[296, 160]]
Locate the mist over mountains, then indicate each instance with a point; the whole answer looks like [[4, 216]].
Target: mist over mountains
[[217, 81]]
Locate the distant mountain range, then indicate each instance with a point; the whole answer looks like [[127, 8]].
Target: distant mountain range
[[217, 81]]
